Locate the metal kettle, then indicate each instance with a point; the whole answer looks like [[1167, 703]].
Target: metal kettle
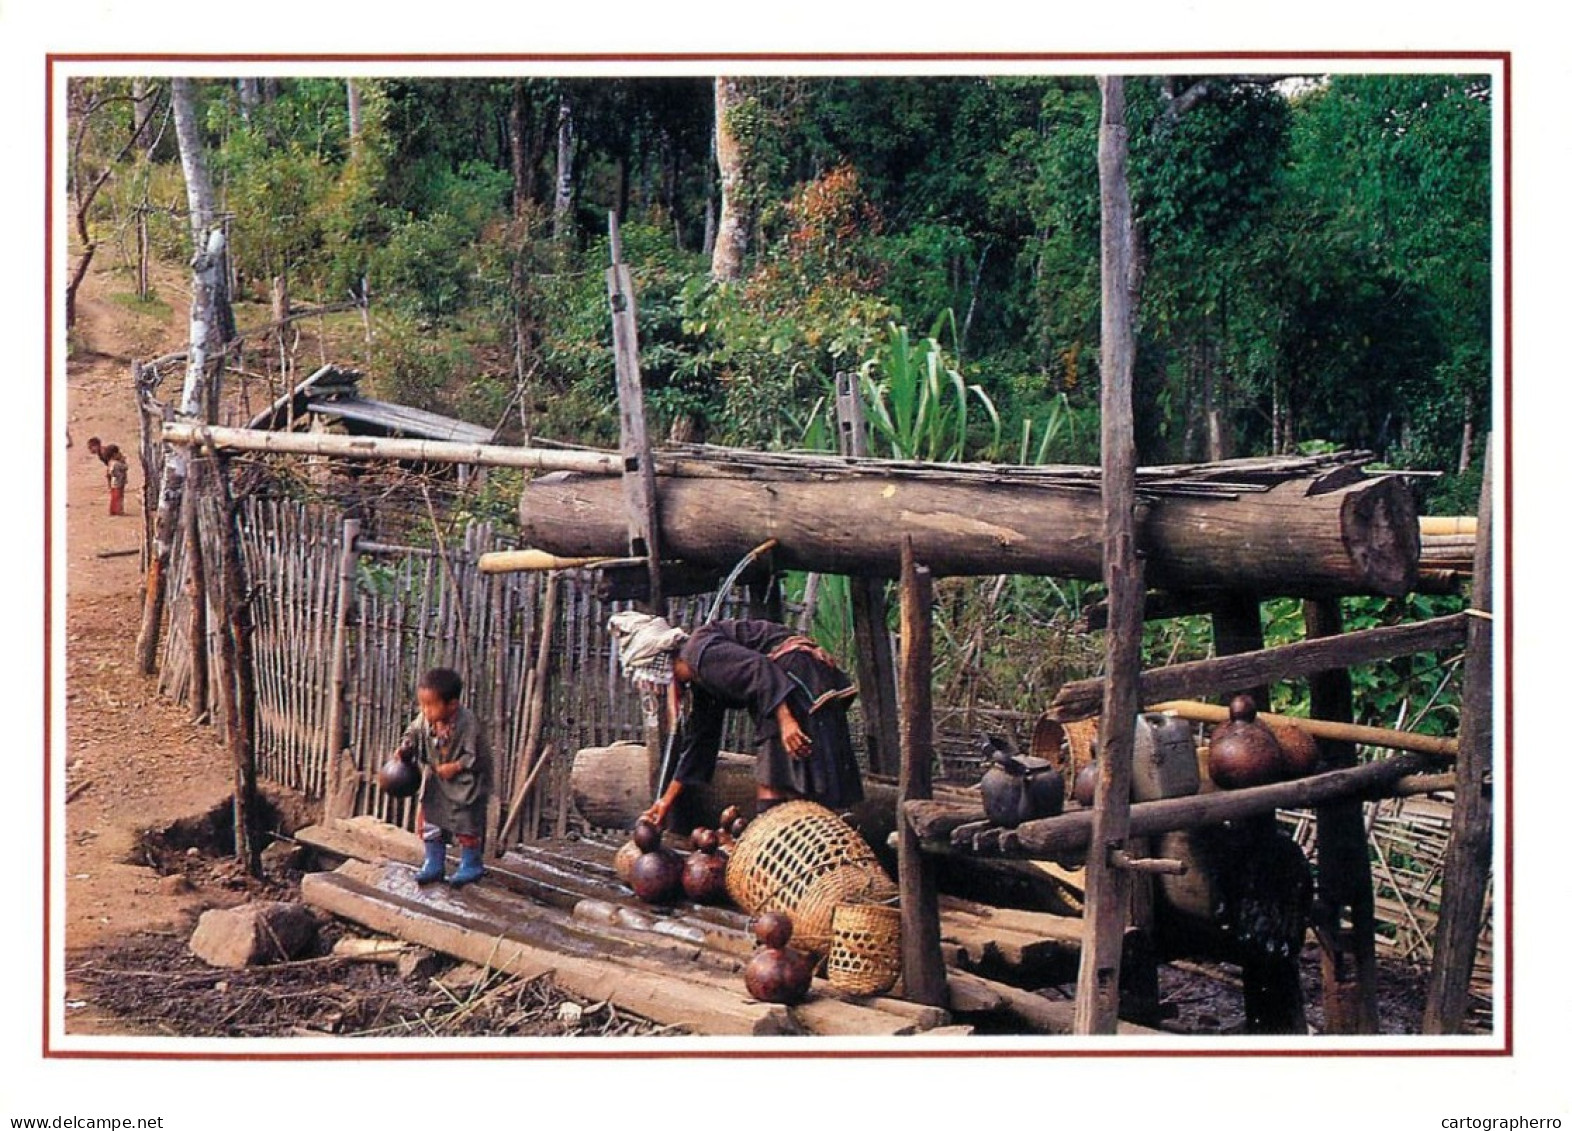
[[1017, 787]]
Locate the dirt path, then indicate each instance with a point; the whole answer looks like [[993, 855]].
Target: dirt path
[[133, 759]]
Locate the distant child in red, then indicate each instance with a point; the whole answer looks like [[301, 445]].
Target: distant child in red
[[118, 473], [115, 472], [448, 739]]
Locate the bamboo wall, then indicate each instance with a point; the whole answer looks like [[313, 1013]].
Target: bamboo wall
[[412, 609]]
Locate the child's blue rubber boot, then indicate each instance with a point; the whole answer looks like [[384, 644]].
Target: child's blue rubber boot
[[436, 863], [469, 869]]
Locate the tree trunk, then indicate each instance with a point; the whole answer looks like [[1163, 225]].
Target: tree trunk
[[1361, 537], [207, 286], [352, 101], [562, 202], [193, 161], [250, 98], [143, 97], [731, 235], [518, 154]]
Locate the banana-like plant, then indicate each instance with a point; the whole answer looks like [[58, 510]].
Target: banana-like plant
[[917, 402]]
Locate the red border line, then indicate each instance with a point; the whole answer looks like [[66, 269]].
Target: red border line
[[49, 458], [1504, 901], [775, 57]]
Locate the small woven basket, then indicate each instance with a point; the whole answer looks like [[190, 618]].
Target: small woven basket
[[785, 849], [865, 947], [813, 915]]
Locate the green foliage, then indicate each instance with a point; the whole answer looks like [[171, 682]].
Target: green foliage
[[917, 402]]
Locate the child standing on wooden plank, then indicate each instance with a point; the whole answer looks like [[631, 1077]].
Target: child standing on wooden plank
[[448, 740]]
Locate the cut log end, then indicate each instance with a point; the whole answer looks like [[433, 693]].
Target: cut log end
[[1381, 533]]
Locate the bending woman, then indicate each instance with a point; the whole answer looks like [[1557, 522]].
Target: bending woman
[[797, 696]]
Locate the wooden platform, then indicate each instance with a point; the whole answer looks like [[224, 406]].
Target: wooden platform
[[559, 907]]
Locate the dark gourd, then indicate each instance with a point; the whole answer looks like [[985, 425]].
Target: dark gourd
[[1244, 751], [704, 872], [776, 973], [399, 778]]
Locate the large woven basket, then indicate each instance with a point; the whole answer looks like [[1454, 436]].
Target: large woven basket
[[813, 916], [786, 849], [865, 947]]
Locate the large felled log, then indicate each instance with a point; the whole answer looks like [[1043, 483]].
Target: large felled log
[[1296, 538], [610, 787]]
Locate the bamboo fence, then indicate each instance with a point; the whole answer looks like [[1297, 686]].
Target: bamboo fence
[[412, 608]]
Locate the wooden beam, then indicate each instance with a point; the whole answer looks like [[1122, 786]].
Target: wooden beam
[[1108, 886], [1071, 832], [1083, 698], [638, 460], [922, 962], [1236, 629], [383, 448], [1467, 870], [531, 947], [1343, 913]]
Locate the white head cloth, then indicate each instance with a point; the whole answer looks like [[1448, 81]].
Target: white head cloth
[[645, 645]]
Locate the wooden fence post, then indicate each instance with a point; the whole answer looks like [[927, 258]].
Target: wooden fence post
[[1108, 886], [1467, 871], [870, 613], [343, 771], [922, 961], [1344, 912], [235, 661]]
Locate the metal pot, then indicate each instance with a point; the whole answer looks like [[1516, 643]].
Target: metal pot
[[1019, 788]]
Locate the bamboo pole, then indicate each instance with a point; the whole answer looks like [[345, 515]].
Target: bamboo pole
[[1382, 737], [1467, 869], [338, 801], [535, 709], [377, 447], [1108, 886], [1443, 525]]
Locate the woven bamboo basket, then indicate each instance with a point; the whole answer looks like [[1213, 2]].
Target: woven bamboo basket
[[865, 947], [785, 850], [814, 913], [1081, 737]]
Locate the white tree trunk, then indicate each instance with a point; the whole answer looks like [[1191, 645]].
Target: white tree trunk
[[250, 97], [207, 288], [352, 96], [199, 189], [731, 235]]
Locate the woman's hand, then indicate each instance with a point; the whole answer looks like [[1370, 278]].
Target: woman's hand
[[656, 813], [793, 737], [447, 771]]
